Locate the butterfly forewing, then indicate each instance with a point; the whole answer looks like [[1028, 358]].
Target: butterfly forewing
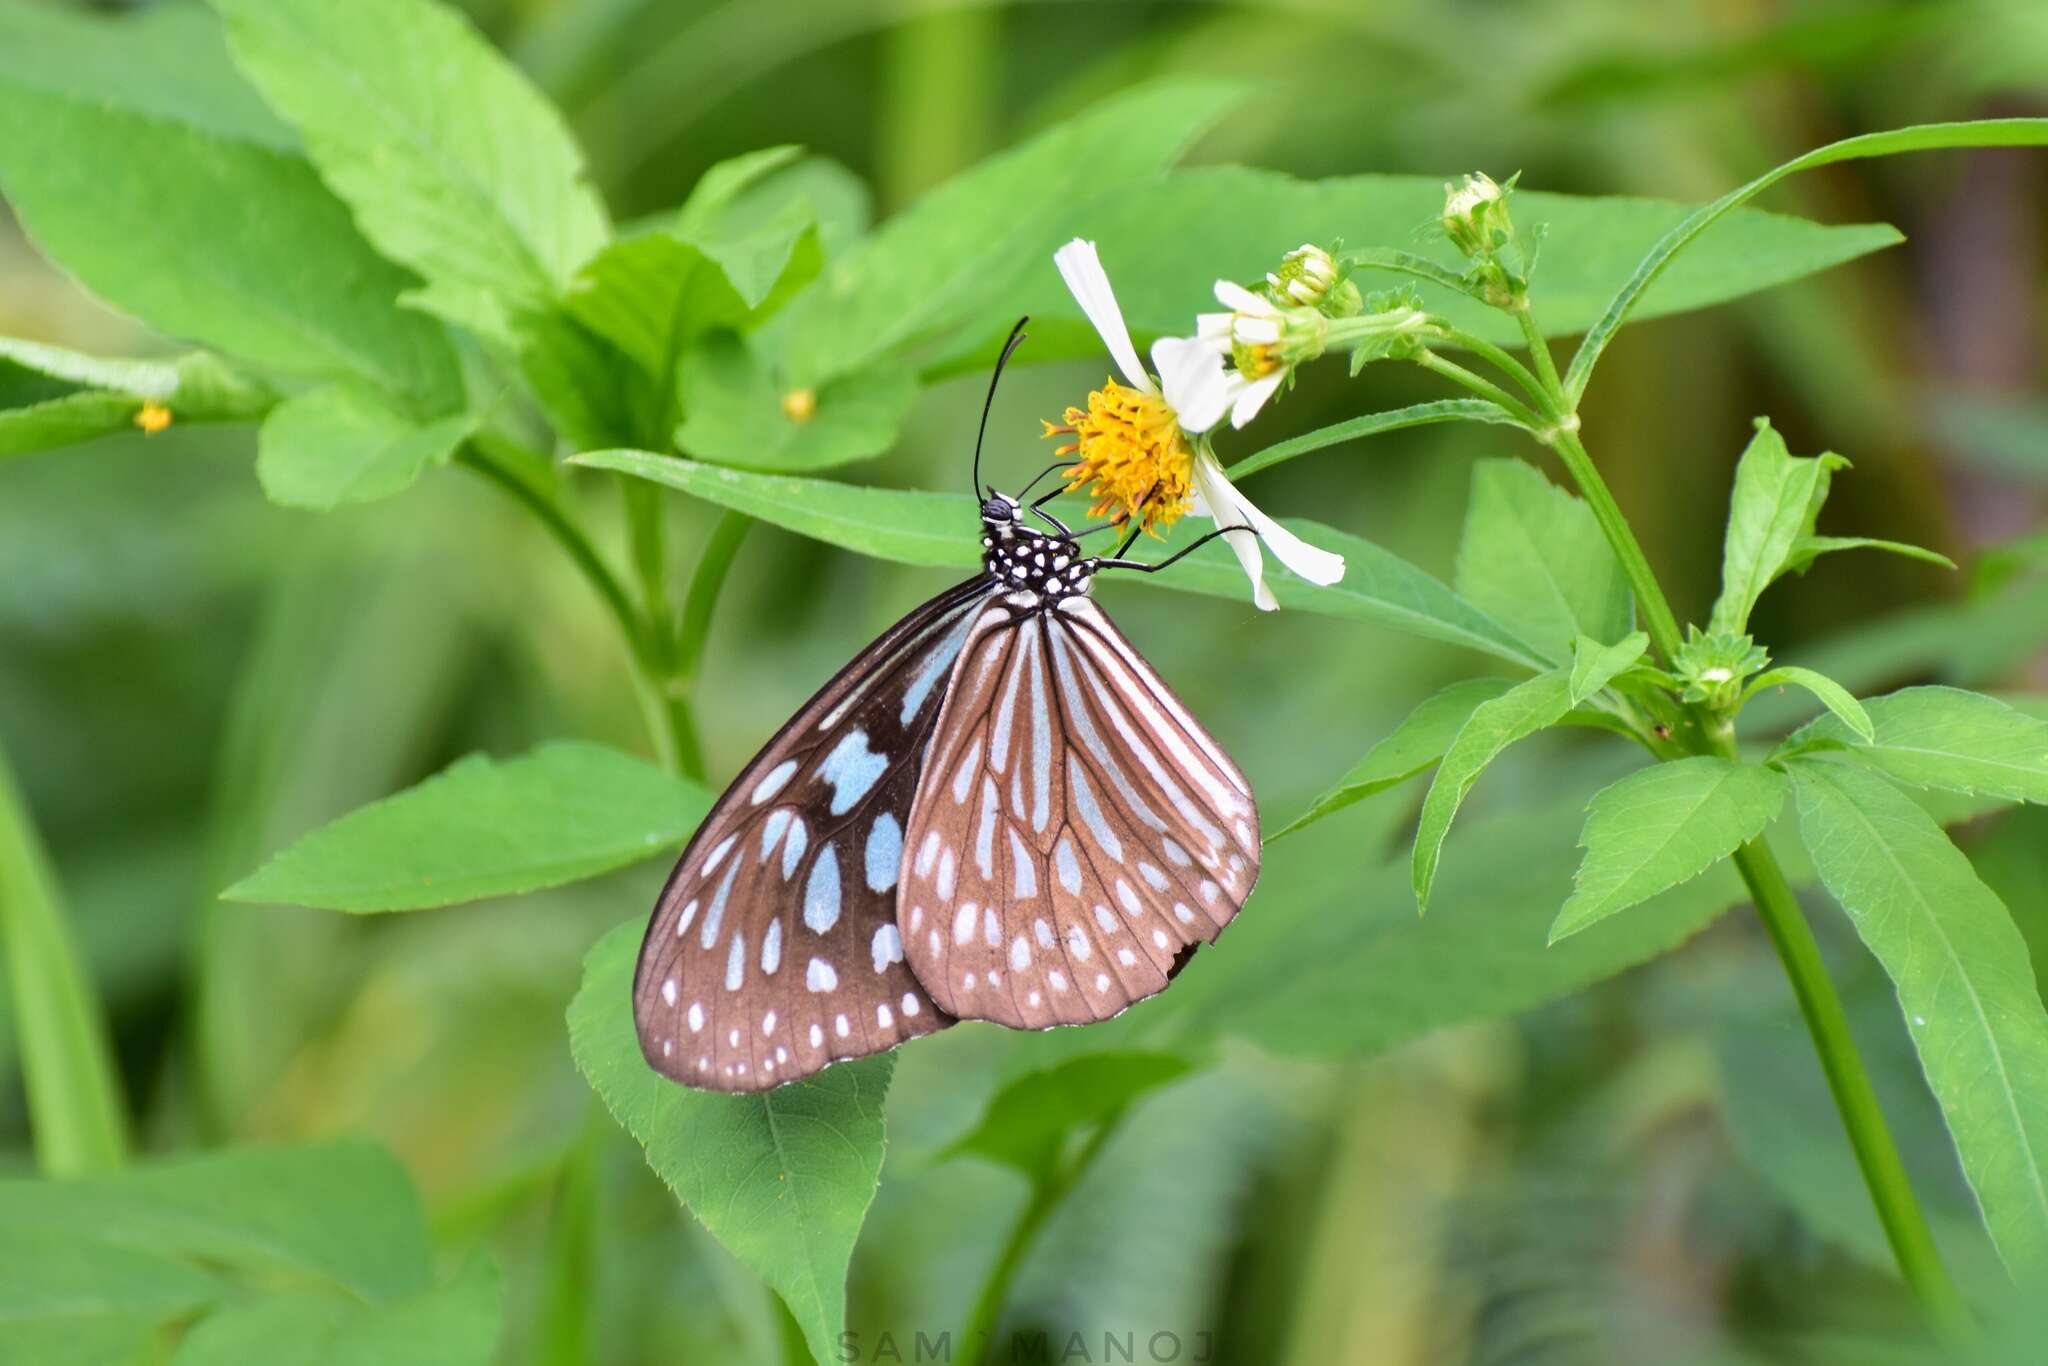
[[774, 949], [1076, 831]]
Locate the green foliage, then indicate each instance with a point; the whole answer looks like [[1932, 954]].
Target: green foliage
[[737, 414], [919, 528], [1681, 238], [783, 1178], [947, 259], [1594, 665], [316, 1255], [453, 164], [1414, 746], [1533, 558], [1028, 1122], [1771, 513], [1945, 738], [1832, 695], [66, 1058], [1664, 825], [343, 444], [1518, 713], [1965, 986], [565, 812], [52, 397], [295, 288], [1331, 961], [1238, 221]]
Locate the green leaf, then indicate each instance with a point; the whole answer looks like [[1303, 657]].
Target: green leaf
[[564, 812], [342, 444], [1594, 665], [1519, 712], [938, 529], [947, 258], [67, 1061], [1329, 961], [1771, 511], [1533, 558], [454, 164], [1235, 223], [170, 61], [1659, 260], [1832, 695], [735, 411], [1028, 1121], [1664, 825], [293, 287], [53, 397], [456, 1324], [1812, 548], [783, 1178], [1371, 424], [1416, 744], [1965, 986], [340, 1216], [1946, 738]]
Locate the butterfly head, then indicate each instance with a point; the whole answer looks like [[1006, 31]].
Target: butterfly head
[[1000, 515]]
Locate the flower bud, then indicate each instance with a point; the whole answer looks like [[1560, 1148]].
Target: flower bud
[[1712, 668], [1476, 215], [1308, 277]]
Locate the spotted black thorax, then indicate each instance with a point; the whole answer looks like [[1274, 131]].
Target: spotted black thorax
[[1047, 568]]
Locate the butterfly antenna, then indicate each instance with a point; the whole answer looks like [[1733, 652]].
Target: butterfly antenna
[[1017, 335]]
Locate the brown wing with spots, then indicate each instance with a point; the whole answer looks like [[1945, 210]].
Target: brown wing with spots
[[773, 950], [1076, 832]]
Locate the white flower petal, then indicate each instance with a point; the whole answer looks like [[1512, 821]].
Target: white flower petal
[[1238, 299], [1253, 396], [1214, 328], [1307, 562], [1192, 375], [1081, 268], [1215, 496]]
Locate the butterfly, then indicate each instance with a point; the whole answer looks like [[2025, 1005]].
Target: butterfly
[[997, 811]]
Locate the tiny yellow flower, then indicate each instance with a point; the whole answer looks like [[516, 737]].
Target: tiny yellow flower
[[800, 405], [152, 417]]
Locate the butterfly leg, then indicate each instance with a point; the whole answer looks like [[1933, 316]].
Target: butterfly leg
[[1117, 562]]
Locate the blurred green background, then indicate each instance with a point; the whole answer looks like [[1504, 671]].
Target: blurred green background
[[1648, 1171]]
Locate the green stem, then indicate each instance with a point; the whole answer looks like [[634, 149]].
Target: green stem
[[977, 1340], [1876, 1153], [1657, 616], [1542, 395], [663, 721], [1485, 388], [1539, 354], [714, 563], [74, 1095], [1891, 1190]]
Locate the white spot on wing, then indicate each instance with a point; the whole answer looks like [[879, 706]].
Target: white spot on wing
[[887, 947], [793, 851], [1020, 954], [819, 976], [928, 853], [884, 853], [910, 1005], [736, 962], [1067, 866], [696, 1017], [949, 872], [718, 855], [773, 781], [985, 835], [1078, 945], [771, 948], [1091, 814], [683, 920], [668, 991], [1154, 878], [1024, 864], [963, 922], [772, 828], [851, 768], [821, 892], [884, 1017]]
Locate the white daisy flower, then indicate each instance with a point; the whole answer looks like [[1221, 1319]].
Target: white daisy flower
[[1133, 443]]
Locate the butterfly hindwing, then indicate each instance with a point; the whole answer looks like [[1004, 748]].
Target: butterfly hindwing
[[1077, 831], [774, 949]]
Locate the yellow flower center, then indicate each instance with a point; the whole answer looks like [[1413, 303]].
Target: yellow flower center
[[1131, 455], [152, 418]]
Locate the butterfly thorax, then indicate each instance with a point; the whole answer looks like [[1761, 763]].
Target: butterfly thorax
[[1038, 568]]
